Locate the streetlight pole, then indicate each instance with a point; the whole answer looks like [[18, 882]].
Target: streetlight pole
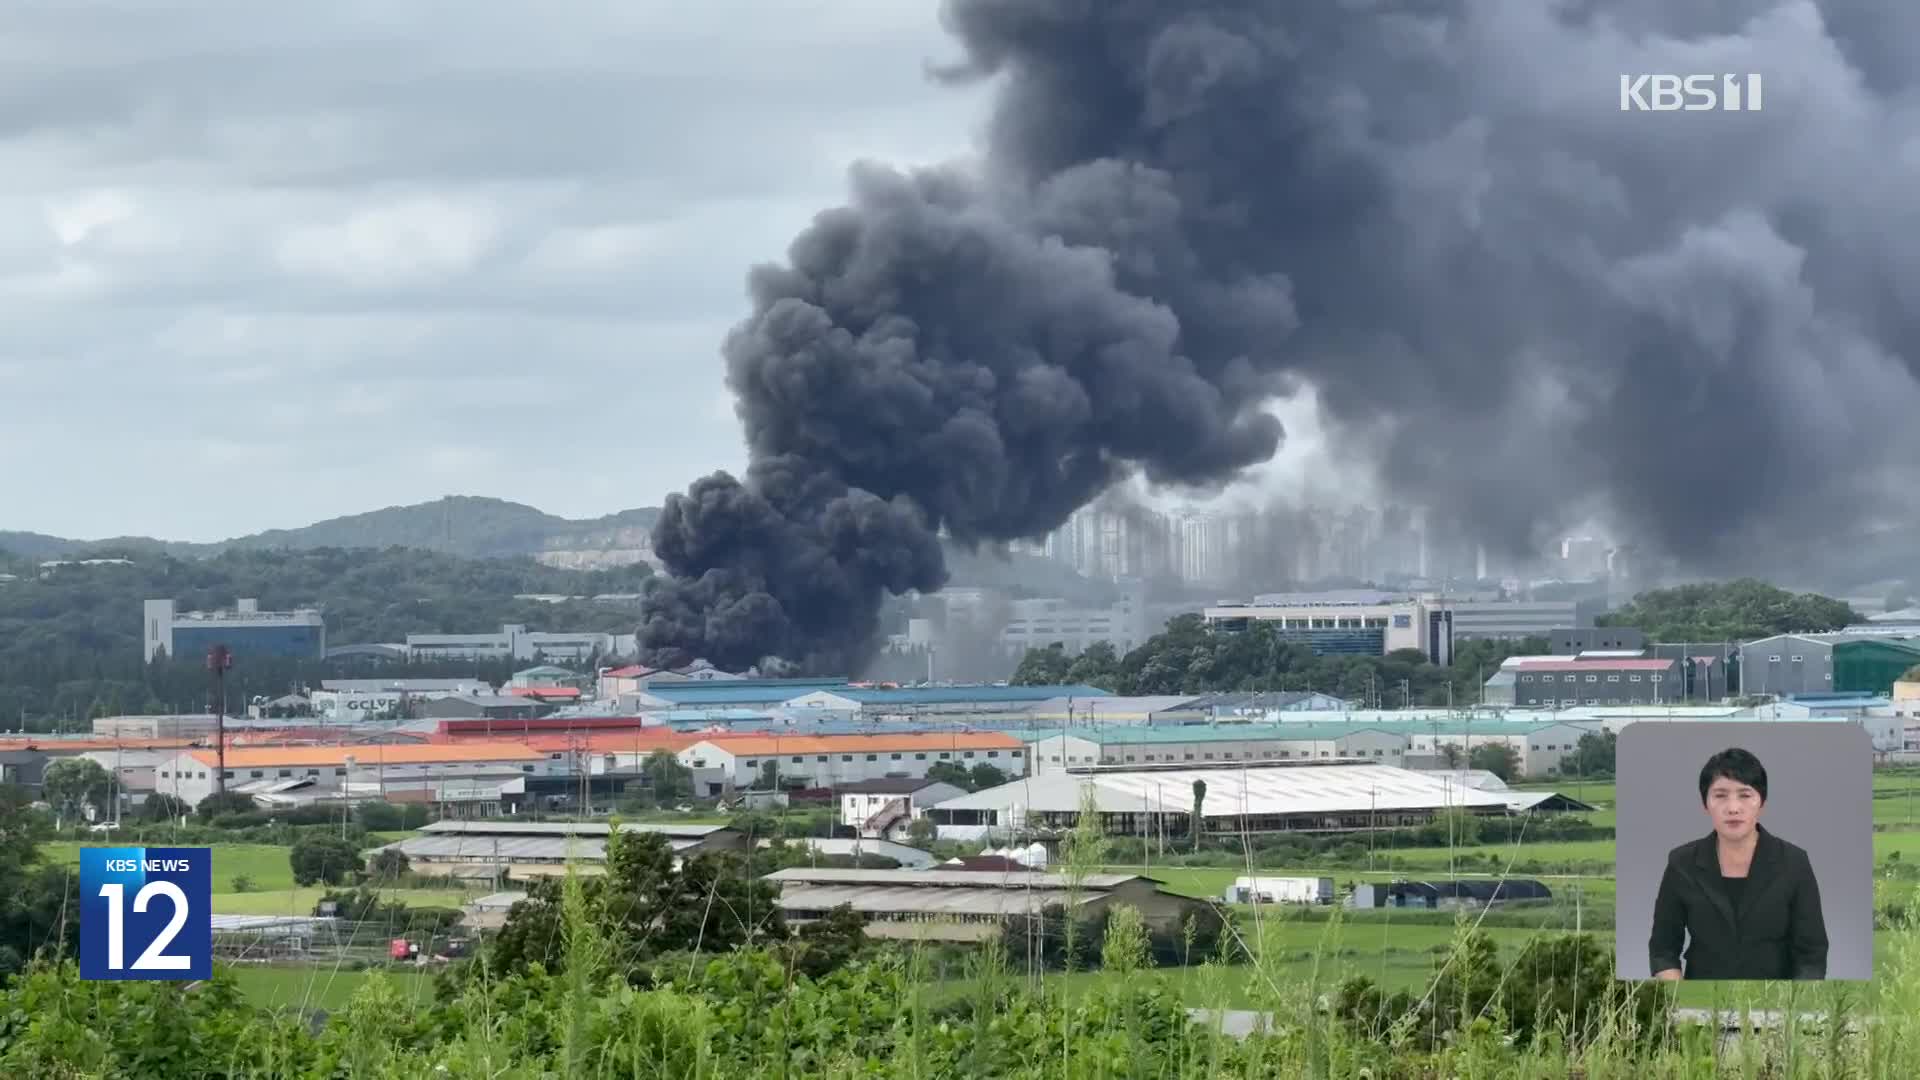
[[219, 661]]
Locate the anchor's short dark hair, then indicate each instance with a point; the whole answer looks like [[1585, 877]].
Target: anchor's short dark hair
[[1737, 765]]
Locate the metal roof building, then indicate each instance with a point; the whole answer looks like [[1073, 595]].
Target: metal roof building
[[491, 849], [963, 905], [1333, 796]]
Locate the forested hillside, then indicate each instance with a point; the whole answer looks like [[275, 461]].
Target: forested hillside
[[1744, 610], [457, 525], [70, 641]]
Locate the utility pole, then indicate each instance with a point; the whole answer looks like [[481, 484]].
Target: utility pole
[[219, 661]]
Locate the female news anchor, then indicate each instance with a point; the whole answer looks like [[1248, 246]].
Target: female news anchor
[[1747, 898]]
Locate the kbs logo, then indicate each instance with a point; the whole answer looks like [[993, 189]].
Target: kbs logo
[[1689, 93], [146, 913]]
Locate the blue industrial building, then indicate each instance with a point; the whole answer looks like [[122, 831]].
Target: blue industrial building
[[246, 630]]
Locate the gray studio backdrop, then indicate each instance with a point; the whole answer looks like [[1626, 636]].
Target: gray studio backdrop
[[1819, 796]]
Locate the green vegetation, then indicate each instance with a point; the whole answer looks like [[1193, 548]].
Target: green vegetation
[[1743, 610], [652, 970], [1451, 1001], [1187, 658], [70, 642]]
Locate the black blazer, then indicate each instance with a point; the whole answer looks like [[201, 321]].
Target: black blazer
[[1777, 932]]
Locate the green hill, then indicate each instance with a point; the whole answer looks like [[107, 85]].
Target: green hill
[[465, 525]]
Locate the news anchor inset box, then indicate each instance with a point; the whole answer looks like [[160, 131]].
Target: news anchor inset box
[[146, 913], [1805, 908]]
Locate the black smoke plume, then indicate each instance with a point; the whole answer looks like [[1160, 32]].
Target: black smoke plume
[[1518, 304]]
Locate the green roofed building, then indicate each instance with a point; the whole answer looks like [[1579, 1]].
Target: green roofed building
[[1872, 665]]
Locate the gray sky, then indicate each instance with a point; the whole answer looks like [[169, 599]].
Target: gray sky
[[333, 257]]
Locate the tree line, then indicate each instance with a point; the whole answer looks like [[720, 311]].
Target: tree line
[[1188, 657], [71, 638]]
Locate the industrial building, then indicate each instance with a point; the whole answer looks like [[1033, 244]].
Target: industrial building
[[1279, 890], [516, 850], [724, 693], [247, 630], [1334, 796], [885, 807], [912, 702], [455, 772], [1467, 893], [967, 906], [1546, 684], [1350, 622], [354, 701], [1080, 748], [1039, 622], [734, 762], [1509, 620], [516, 642], [1572, 640], [1539, 744], [1790, 664], [1254, 706], [23, 768], [1074, 711], [481, 707]]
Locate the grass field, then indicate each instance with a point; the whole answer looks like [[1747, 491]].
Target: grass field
[[274, 892], [317, 988]]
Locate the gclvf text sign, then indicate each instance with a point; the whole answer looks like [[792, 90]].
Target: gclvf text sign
[[146, 913], [1690, 93]]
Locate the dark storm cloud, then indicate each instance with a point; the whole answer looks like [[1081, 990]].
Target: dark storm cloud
[[1521, 303]]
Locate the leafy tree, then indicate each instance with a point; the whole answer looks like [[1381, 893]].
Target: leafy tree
[[322, 859], [826, 945], [389, 864], [667, 777], [983, 776], [1043, 667], [220, 804], [38, 900], [162, 807], [921, 833], [1499, 759], [72, 785], [769, 775], [1593, 755], [646, 907], [1730, 611], [951, 772], [1199, 806]]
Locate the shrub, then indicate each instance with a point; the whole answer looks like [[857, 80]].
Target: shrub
[[323, 860]]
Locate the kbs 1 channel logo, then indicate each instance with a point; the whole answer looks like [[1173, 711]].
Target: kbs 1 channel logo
[[146, 913]]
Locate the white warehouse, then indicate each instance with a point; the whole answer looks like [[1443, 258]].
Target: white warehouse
[[1205, 744]]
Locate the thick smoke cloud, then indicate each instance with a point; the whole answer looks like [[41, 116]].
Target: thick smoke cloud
[[1519, 303]]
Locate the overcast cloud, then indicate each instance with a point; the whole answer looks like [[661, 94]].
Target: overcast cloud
[[266, 263]]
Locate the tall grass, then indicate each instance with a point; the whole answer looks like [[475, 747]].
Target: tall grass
[[749, 1015]]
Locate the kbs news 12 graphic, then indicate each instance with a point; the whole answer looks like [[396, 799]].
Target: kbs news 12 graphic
[[146, 913]]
